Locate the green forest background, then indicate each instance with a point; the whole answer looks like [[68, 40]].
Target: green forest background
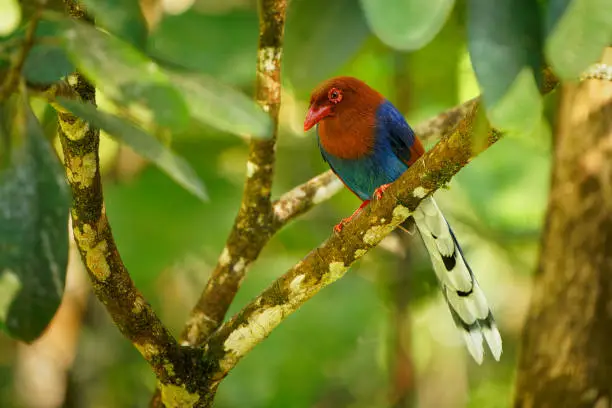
[[339, 349]]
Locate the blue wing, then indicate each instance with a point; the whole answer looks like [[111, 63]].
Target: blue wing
[[393, 127], [392, 154]]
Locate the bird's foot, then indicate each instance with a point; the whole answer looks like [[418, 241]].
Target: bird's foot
[[338, 227], [378, 193]]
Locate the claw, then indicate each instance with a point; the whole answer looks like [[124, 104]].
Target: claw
[[378, 193], [338, 227]]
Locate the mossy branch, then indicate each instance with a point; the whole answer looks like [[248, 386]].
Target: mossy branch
[[110, 279], [252, 227], [331, 260]]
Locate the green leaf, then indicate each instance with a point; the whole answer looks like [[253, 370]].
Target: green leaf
[[504, 44], [222, 106], [221, 45], [34, 205], [46, 62], [577, 33], [126, 76], [122, 18], [406, 24], [309, 55], [142, 143]]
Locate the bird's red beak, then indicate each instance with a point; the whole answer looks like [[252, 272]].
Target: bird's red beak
[[315, 114]]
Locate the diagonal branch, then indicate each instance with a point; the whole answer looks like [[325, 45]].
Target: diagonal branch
[[252, 226], [110, 279], [331, 260]]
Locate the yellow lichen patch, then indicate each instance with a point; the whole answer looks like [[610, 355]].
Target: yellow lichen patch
[[170, 369], [82, 170], [174, 396], [258, 326], [336, 270], [85, 237], [401, 213], [139, 305], [420, 192], [225, 257], [378, 232], [74, 130], [96, 261], [296, 283], [147, 350], [359, 253]]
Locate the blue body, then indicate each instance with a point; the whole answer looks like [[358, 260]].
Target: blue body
[[388, 159]]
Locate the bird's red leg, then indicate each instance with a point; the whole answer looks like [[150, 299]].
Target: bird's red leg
[[378, 193], [338, 227]]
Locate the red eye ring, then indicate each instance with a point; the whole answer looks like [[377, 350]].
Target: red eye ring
[[334, 95]]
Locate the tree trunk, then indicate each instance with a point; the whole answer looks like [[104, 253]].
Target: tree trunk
[[566, 358]]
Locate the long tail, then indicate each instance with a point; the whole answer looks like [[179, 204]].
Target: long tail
[[466, 301]]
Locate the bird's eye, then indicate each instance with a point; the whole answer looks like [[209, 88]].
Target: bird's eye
[[335, 95]]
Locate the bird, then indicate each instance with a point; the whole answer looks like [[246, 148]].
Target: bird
[[368, 144]]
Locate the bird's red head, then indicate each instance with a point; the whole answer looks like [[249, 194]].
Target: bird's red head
[[340, 96]]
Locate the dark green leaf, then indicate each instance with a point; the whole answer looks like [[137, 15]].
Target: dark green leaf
[[577, 33], [406, 24], [46, 64], [47, 61], [221, 106], [34, 205], [122, 18], [126, 76], [221, 45], [504, 43], [142, 143], [321, 36]]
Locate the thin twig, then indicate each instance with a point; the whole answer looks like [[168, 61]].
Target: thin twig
[[14, 73]]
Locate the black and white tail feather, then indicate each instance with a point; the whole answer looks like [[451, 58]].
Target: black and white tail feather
[[466, 301]]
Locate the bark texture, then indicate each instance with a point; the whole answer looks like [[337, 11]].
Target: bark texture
[[566, 358]]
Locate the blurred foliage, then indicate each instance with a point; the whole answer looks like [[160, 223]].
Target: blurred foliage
[[172, 85], [34, 199]]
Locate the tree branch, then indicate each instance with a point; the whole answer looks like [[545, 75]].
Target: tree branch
[[173, 365], [331, 260], [110, 279], [253, 224]]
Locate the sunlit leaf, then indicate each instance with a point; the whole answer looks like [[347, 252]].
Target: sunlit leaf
[[504, 43], [142, 143], [320, 37], [34, 205], [125, 75], [122, 18], [577, 33], [406, 24], [221, 106], [10, 16]]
